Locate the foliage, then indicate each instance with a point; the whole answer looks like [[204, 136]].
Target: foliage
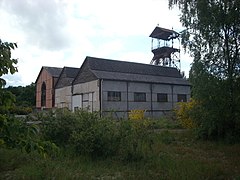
[[165, 122], [166, 137], [20, 110], [184, 113], [15, 133], [136, 114], [7, 63], [89, 134], [17, 100], [25, 96], [181, 158], [98, 139], [212, 36], [57, 126], [6, 101]]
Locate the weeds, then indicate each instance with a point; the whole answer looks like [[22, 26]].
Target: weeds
[[101, 148]]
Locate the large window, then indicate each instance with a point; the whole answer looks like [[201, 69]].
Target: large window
[[162, 97], [139, 97], [43, 94], [182, 98], [114, 96]]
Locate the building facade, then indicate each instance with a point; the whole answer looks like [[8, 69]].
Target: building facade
[[45, 87], [63, 87], [113, 87], [117, 87]]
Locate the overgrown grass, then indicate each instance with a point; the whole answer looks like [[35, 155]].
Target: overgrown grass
[[165, 123], [174, 155]]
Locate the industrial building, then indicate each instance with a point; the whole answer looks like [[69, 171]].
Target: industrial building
[[117, 87]]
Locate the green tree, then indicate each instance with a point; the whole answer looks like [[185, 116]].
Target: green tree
[[14, 132], [212, 36], [25, 96], [7, 65]]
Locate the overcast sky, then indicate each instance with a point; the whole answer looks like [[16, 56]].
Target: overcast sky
[[63, 32]]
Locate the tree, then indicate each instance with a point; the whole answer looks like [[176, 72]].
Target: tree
[[14, 132], [25, 96], [212, 36], [7, 63]]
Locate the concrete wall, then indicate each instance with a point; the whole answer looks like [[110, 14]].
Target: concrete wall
[[127, 103], [86, 96], [49, 81], [63, 97]]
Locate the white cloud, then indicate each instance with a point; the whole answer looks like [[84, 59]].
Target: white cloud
[[62, 32], [41, 22]]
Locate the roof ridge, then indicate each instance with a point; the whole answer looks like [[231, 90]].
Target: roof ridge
[[130, 67], [131, 62]]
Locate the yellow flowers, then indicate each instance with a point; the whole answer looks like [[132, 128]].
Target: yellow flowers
[[183, 113], [136, 114]]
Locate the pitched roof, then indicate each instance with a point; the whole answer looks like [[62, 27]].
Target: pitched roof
[[98, 68], [164, 34], [66, 77], [108, 65], [53, 71]]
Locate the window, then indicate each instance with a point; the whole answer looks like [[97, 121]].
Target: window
[[182, 98], [43, 94], [85, 97], [139, 97], [161, 97], [114, 96]]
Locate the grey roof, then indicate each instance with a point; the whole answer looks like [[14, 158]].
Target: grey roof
[[98, 68], [54, 71], [139, 78], [131, 67], [66, 77], [164, 34]]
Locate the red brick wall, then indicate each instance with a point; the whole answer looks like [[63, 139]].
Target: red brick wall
[[48, 79]]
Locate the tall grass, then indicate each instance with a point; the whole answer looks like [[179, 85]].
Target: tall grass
[[180, 159], [96, 148]]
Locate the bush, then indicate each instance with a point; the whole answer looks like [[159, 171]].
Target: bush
[[135, 140], [89, 134], [57, 126], [98, 139], [184, 114], [19, 110], [16, 133]]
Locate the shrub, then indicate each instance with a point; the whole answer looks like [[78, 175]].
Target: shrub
[[184, 114], [58, 126], [19, 110], [95, 137], [135, 140], [89, 134], [166, 137], [136, 114], [16, 133]]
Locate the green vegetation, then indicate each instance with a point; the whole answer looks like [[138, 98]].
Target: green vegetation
[[172, 153], [82, 145], [25, 96], [7, 63], [15, 132], [13, 100], [212, 37]]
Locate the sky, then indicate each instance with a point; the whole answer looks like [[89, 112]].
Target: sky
[[62, 33]]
